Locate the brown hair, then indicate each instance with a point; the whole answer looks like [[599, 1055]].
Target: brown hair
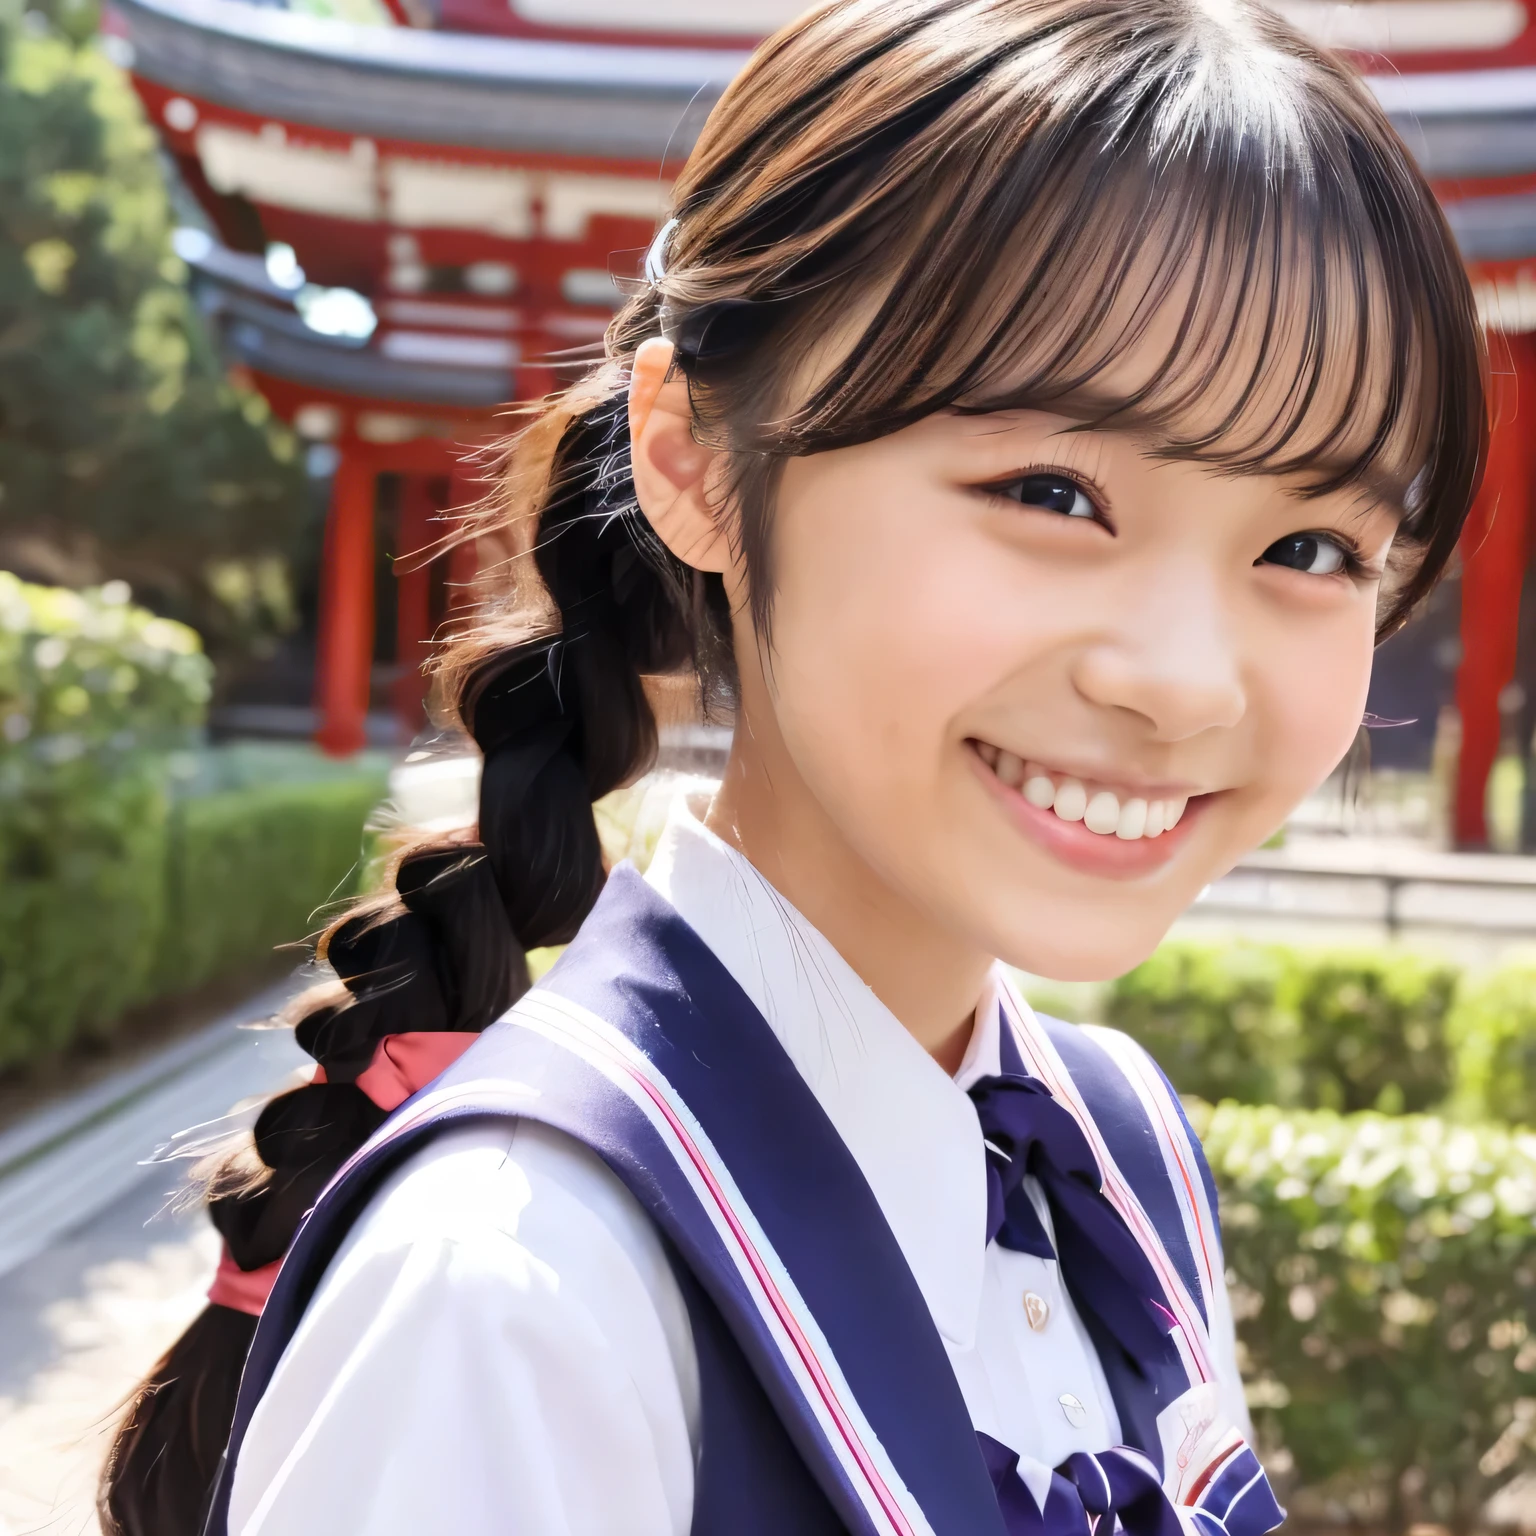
[[984, 204]]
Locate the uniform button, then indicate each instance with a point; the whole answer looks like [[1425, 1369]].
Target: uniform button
[[1037, 1309], [1072, 1407]]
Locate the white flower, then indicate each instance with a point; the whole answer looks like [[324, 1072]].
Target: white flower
[[51, 652]]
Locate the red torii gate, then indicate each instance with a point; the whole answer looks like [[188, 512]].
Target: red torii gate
[[1495, 556], [345, 643]]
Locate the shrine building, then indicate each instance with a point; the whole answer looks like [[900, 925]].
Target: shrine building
[[417, 206]]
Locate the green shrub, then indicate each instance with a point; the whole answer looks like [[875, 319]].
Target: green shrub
[[1492, 1032], [129, 866], [1209, 1015], [1371, 1029], [114, 894], [251, 869], [1384, 1277], [86, 671], [92, 689], [1329, 1029], [82, 900]]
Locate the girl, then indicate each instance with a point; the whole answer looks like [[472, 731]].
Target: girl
[[1034, 411]]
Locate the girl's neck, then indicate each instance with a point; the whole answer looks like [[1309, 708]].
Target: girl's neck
[[927, 975]]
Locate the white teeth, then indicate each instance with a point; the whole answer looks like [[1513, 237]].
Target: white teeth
[[1102, 812], [1040, 791], [1071, 800], [1009, 769], [1132, 821]]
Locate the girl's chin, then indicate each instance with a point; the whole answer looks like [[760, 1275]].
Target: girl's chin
[[1071, 844]]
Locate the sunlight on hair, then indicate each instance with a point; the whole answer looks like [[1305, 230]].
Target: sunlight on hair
[[1236, 83]]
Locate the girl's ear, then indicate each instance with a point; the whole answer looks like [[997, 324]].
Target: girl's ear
[[672, 472]]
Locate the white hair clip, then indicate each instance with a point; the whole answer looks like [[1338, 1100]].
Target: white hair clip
[[656, 256]]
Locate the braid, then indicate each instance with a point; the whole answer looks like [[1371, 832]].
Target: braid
[[561, 717]]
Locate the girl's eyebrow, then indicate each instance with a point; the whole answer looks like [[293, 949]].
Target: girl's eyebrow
[[1389, 493]]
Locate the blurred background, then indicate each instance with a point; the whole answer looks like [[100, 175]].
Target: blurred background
[[269, 276]]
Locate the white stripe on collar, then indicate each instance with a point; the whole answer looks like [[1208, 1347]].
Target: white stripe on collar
[[910, 1127]]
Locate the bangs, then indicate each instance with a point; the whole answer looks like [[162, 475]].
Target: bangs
[[1185, 222], [1228, 316], [1229, 298]]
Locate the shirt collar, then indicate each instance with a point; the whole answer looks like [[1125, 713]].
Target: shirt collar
[[910, 1127]]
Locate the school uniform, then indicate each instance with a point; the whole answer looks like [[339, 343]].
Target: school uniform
[[699, 1239]]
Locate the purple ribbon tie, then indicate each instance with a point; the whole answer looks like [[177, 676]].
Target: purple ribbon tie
[[1113, 1284]]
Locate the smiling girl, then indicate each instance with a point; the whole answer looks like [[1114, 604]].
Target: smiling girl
[[1034, 413]]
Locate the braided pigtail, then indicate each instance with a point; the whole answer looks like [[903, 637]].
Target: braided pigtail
[[556, 703], [562, 718]]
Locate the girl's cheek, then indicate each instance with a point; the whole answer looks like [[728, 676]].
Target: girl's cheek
[[1315, 688], [888, 616]]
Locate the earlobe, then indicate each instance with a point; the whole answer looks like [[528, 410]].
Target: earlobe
[[671, 469]]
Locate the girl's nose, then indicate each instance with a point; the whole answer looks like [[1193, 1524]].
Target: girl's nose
[[1176, 664]]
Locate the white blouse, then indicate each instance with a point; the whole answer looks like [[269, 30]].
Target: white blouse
[[500, 1345]]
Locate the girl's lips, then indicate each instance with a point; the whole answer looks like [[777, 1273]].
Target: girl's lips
[[1074, 845]]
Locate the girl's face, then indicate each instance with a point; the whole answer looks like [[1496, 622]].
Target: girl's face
[[1049, 686]]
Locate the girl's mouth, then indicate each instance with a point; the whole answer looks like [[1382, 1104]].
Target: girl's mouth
[[1097, 827]]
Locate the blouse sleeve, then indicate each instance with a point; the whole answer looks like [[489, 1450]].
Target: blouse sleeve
[[499, 1346]]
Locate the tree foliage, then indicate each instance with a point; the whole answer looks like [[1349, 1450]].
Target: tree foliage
[[125, 451]]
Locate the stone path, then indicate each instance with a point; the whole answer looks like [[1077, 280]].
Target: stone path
[[99, 1268], [80, 1323]]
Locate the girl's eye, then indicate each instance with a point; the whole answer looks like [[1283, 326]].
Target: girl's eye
[[1051, 493], [1314, 554]]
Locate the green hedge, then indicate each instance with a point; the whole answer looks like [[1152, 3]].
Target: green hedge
[[1370, 1029], [1209, 1015], [131, 867], [1492, 1031], [251, 869], [93, 691], [82, 902], [1384, 1277], [1334, 1029], [124, 894]]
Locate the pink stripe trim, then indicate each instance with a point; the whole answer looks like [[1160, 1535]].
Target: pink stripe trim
[[1189, 1188], [889, 1505], [782, 1310], [1115, 1187]]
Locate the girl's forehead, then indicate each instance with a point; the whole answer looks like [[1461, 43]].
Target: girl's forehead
[[1285, 361]]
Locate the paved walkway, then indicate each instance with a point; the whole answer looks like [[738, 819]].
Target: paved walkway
[[99, 1271], [80, 1323]]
